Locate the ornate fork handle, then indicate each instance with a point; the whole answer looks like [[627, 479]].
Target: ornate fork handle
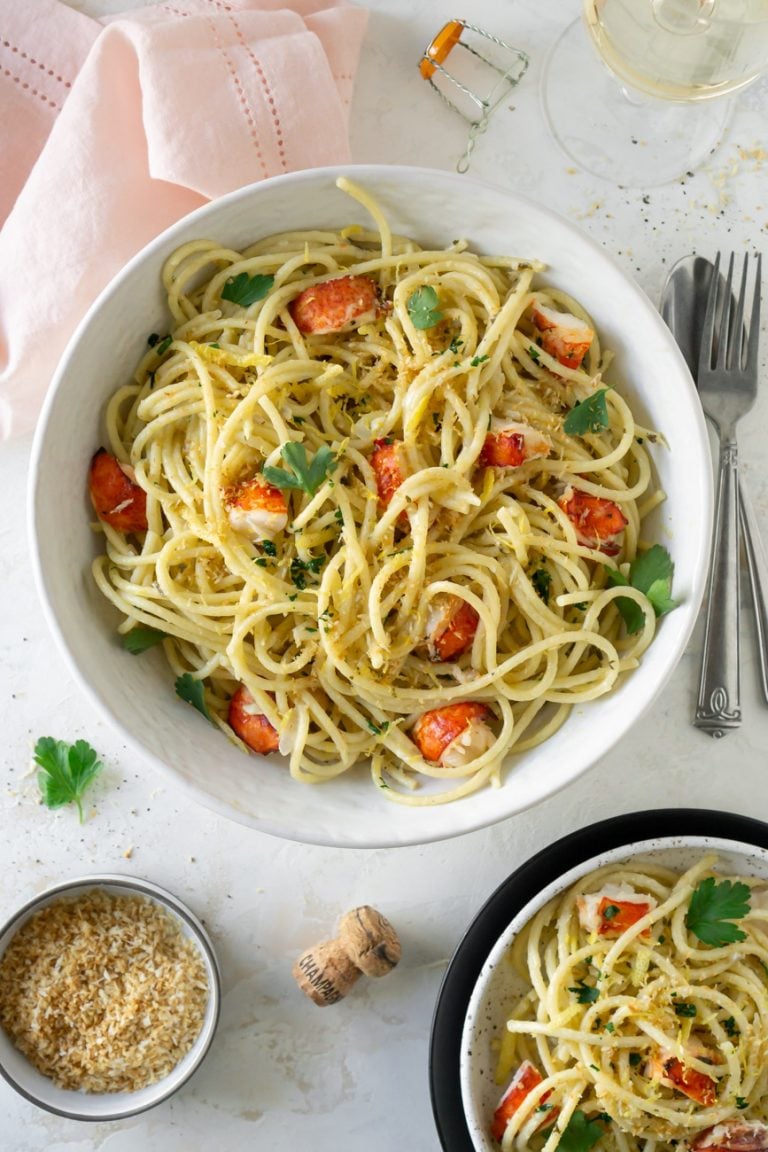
[[718, 709]]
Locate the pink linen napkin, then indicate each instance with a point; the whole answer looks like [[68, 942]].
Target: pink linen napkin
[[114, 130]]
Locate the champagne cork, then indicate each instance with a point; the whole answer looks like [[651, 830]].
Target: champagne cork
[[366, 944]]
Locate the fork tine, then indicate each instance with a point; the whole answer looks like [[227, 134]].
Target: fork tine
[[754, 320], [724, 344], [736, 351], [708, 327]]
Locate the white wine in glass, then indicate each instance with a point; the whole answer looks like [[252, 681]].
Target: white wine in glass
[[652, 113], [681, 49]]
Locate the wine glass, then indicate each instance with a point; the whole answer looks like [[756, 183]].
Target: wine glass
[[660, 106]]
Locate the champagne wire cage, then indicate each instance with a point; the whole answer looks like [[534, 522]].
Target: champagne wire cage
[[481, 53]]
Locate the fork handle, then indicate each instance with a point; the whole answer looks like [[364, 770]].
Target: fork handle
[[758, 578], [718, 709]]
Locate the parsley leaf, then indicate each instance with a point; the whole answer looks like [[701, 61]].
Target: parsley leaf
[[585, 993], [306, 475], [161, 344], [651, 569], [477, 360], [244, 289], [651, 573], [712, 908], [66, 770], [300, 568], [590, 415], [631, 612], [580, 1133], [454, 345], [658, 594], [140, 639], [541, 580], [376, 729], [682, 1008], [191, 691], [423, 307]]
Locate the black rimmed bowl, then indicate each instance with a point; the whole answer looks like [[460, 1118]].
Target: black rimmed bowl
[[41, 1090], [460, 1067]]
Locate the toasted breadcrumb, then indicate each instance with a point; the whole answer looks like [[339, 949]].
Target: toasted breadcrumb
[[103, 993]]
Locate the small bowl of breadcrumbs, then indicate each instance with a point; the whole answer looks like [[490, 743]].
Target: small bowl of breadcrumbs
[[109, 997]]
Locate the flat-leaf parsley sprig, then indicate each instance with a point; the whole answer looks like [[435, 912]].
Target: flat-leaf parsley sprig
[[306, 475], [651, 573], [590, 415], [191, 691], [581, 1133], [246, 290], [424, 307], [714, 907], [66, 770], [139, 639]]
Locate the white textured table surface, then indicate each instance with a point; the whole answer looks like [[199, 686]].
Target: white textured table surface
[[283, 1074]]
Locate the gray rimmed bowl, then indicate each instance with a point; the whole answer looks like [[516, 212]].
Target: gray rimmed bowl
[[39, 1089]]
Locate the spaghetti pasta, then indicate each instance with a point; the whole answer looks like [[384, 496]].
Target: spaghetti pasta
[[647, 1027], [363, 504]]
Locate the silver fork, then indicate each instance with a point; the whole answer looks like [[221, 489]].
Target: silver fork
[[727, 379]]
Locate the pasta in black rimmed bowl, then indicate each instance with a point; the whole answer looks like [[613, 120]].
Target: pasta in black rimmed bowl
[[624, 1003], [383, 483]]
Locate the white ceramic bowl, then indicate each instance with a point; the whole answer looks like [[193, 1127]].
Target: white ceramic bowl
[[498, 984], [39, 1089], [137, 695]]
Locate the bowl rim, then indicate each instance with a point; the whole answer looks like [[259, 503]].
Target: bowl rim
[[165, 898], [677, 826], [431, 823]]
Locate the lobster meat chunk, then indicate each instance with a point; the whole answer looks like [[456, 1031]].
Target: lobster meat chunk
[[512, 444], [563, 336], [599, 523], [451, 627], [338, 305], [526, 1078], [733, 1136], [389, 468], [256, 508], [250, 725], [119, 501], [455, 734], [612, 911]]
